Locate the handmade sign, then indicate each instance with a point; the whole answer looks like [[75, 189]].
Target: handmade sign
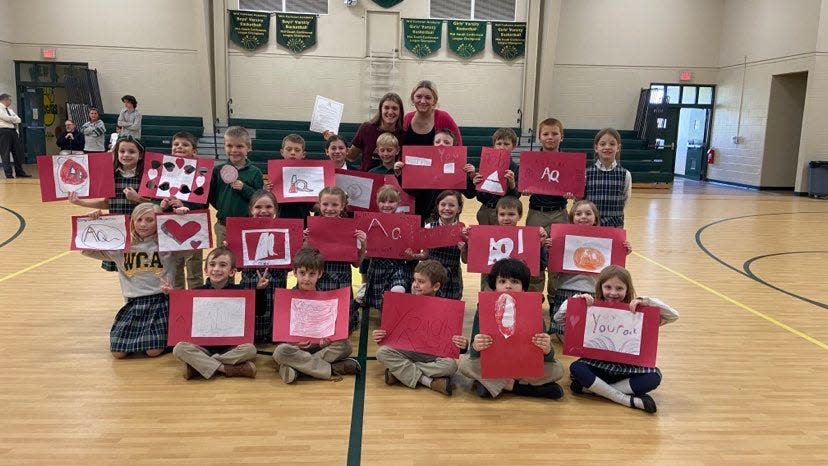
[[493, 166], [511, 319], [407, 201], [489, 243], [439, 237], [184, 178], [327, 115], [388, 235], [334, 237], [105, 233], [211, 317], [185, 232], [434, 167], [361, 187], [585, 249], [300, 316], [424, 324], [552, 173], [299, 180], [611, 332], [88, 175], [229, 173], [264, 242]]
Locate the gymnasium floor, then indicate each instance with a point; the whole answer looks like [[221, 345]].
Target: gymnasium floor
[[745, 367]]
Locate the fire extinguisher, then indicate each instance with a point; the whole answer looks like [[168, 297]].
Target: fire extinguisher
[[711, 156]]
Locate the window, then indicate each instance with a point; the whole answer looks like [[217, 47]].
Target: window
[[688, 95], [289, 6], [681, 95], [481, 10], [673, 94], [656, 94], [705, 95]]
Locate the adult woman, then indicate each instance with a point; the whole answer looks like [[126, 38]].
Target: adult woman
[[422, 124], [387, 120], [130, 119]]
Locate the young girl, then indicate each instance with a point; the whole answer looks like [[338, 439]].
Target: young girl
[[624, 384], [332, 203], [608, 184], [141, 324], [336, 149]]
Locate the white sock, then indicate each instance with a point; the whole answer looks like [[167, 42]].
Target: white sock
[[623, 386], [397, 289], [425, 380], [599, 387]]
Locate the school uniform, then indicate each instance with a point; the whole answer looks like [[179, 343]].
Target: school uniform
[[409, 366], [609, 188], [450, 258], [119, 204], [384, 274], [263, 327], [570, 285]]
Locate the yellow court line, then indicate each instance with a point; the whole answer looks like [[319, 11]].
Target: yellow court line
[[768, 318], [32, 267]]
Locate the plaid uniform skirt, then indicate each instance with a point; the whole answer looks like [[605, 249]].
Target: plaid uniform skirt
[[614, 221], [450, 258], [336, 275], [263, 327], [140, 325], [560, 297], [616, 369], [384, 274], [120, 205]]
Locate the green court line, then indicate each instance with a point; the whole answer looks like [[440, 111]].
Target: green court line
[[358, 406], [21, 226]]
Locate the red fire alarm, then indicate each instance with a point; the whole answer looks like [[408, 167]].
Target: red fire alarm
[[685, 76], [48, 53]]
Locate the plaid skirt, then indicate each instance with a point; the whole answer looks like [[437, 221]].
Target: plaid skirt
[[617, 369], [263, 327], [560, 297], [121, 205], [450, 258], [336, 275], [384, 274], [614, 221], [140, 325]]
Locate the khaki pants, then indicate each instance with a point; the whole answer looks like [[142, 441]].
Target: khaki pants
[[194, 264], [487, 216], [314, 361], [544, 219], [206, 363], [409, 366], [470, 367], [221, 234]]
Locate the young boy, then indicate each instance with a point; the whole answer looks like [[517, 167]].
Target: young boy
[[232, 199], [506, 139], [293, 148], [412, 368], [388, 150], [325, 360], [511, 275]]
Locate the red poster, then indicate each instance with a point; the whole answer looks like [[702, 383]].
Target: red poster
[[406, 200], [334, 237], [187, 179], [552, 173], [300, 180], [300, 316], [424, 324], [211, 317], [88, 175], [361, 187], [611, 332], [585, 249], [105, 233], [489, 243], [493, 166], [511, 319], [389, 235], [264, 242], [434, 167], [439, 237]]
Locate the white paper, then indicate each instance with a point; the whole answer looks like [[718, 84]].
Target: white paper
[[179, 232], [448, 168], [492, 184], [71, 174], [218, 317], [358, 189], [302, 181], [264, 253], [327, 114], [417, 161], [613, 330], [102, 234], [503, 247], [586, 254], [176, 177], [313, 318]]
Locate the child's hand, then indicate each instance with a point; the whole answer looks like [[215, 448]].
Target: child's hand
[[469, 169], [305, 234], [460, 341], [627, 247], [542, 341], [588, 297], [304, 344], [546, 242], [398, 166], [569, 196], [94, 215], [477, 178], [268, 186], [510, 179], [324, 342], [461, 245], [409, 253], [466, 232], [165, 204], [361, 237], [237, 185], [165, 285], [132, 195], [327, 134], [224, 244], [378, 335], [181, 210], [634, 304], [543, 233], [264, 279], [73, 198], [481, 342]]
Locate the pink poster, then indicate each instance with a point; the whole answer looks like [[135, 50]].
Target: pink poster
[[493, 166], [300, 180], [300, 316], [211, 317], [389, 235], [264, 242], [334, 237], [424, 324], [187, 179], [585, 249], [511, 319], [88, 175], [552, 173], [489, 243], [434, 167]]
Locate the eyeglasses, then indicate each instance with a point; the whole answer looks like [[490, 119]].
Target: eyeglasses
[[132, 139]]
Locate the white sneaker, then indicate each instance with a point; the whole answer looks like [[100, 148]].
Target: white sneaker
[[360, 294]]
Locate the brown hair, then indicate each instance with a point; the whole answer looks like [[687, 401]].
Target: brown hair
[[449, 133], [510, 202], [294, 138], [433, 270], [309, 258], [218, 252], [238, 132], [505, 133], [435, 214], [615, 271], [332, 139], [187, 136], [258, 194], [612, 132], [591, 206], [336, 191], [376, 120], [139, 169], [130, 99], [551, 122], [387, 193], [426, 84]]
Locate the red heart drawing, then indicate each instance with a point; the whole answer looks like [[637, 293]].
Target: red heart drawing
[[195, 244], [179, 162], [173, 190], [180, 233], [573, 321]]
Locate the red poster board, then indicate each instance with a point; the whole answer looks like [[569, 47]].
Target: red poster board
[[184, 178], [184, 232], [434, 167], [424, 324], [300, 180], [300, 316], [585, 249], [264, 242], [511, 319], [493, 166], [406, 200], [211, 317], [105, 233], [334, 237], [361, 187], [489, 243], [389, 235], [552, 173], [439, 237], [88, 175], [610, 332]]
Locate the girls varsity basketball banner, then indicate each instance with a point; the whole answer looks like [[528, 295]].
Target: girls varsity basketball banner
[[211, 317], [334, 237], [264, 242], [388, 235], [300, 180], [424, 324], [493, 166], [434, 167], [184, 232], [105, 233], [552, 173], [611, 332], [87, 175], [361, 187], [511, 319], [489, 243], [184, 178], [585, 249], [439, 237], [300, 316]]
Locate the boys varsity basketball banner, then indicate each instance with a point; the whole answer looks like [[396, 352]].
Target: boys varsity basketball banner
[[552, 173], [611, 332], [105, 233], [87, 175], [184, 232], [300, 180], [424, 324], [439, 237], [249, 29], [310, 316], [361, 187], [494, 163], [295, 32], [211, 317], [585, 249], [434, 167], [334, 237], [264, 242], [187, 179], [511, 319], [489, 243], [389, 235]]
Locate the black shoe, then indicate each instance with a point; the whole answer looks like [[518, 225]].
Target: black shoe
[[23, 175], [576, 387], [481, 391], [648, 402], [9, 176], [549, 390]]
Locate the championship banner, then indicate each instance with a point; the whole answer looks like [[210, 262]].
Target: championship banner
[[509, 39], [422, 37], [295, 32], [249, 29], [466, 38], [387, 3]]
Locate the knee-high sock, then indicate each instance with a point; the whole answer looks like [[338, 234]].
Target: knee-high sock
[[638, 384]]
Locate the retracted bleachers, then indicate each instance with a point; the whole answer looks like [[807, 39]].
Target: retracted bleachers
[[157, 130], [645, 165]]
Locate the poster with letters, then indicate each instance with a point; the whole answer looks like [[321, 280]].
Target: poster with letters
[[489, 243], [211, 317], [388, 235], [105, 233], [434, 167], [552, 173], [424, 324]]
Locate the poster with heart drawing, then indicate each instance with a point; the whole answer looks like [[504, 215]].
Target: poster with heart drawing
[[185, 232], [185, 178]]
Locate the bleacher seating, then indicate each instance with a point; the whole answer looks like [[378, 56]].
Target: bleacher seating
[[157, 130]]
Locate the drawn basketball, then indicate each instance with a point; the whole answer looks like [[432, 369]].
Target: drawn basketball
[[588, 258], [72, 173], [505, 315]]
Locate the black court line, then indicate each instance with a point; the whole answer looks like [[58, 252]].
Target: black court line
[[752, 275], [358, 406], [21, 226]]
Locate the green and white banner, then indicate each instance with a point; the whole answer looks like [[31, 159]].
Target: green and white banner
[[387, 3], [466, 38], [249, 29], [509, 39], [422, 37], [295, 32]]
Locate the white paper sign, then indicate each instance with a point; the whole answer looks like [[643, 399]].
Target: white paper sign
[[302, 181], [313, 318], [103, 234], [186, 232], [327, 114], [71, 174], [218, 317], [358, 189], [418, 161], [586, 253], [266, 253], [609, 329]]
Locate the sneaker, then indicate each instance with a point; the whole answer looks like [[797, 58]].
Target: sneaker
[[245, 369], [442, 385], [360, 294], [481, 391], [389, 378], [287, 373], [348, 366], [189, 372]]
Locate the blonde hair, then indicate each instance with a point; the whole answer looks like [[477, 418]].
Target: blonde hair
[[335, 191], [140, 211], [294, 138], [388, 193], [387, 139], [614, 271], [238, 132], [425, 84]]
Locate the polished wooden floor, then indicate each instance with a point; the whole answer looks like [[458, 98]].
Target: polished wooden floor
[[745, 367]]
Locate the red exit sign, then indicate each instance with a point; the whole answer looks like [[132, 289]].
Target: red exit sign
[[685, 76], [48, 53]]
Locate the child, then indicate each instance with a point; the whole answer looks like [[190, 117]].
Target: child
[[426, 199], [293, 148], [141, 324], [325, 360], [624, 384], [511, 275], [232, 199], [388, 150], [113, 138], [332, 203], [236, 361], [503, 138], [336, 149], [412, 368], [608, 184]]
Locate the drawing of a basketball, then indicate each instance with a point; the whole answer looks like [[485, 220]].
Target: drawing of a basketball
[[589, 258]]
